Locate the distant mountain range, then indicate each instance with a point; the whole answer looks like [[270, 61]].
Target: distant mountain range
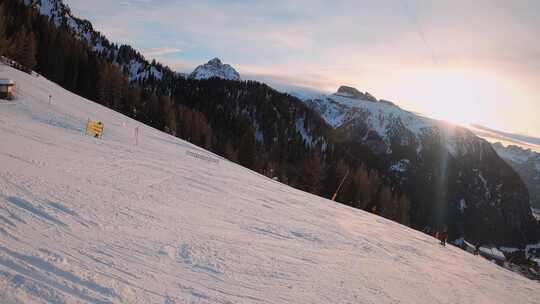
[[507, 138], [437, 162], [527, 164], [520, 156]]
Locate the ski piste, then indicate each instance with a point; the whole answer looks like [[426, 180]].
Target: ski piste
[[88, 220]]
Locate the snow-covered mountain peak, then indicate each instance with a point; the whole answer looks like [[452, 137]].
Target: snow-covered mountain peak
[[351, 92], [354, 93], [215, 68], [216, 62], [349, 107], [54, 9]]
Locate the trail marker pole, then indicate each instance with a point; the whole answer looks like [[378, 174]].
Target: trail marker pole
[[341, 184]]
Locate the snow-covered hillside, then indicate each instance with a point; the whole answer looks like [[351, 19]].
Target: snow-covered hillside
[[105, 221], [215, 68], [384, 118], [136, 68]]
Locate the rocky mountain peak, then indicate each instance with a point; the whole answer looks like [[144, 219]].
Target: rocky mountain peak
[[216, 61], [351, 92], [215, 68]]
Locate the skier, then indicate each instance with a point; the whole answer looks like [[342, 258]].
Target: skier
[[444, 236], [476, 249]]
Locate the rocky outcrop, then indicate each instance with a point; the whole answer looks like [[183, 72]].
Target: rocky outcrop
[[350, 92], [215, 68]]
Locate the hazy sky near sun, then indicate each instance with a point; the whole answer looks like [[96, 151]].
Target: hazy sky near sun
[[460, 60]]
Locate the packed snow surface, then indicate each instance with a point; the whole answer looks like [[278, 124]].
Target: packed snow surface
[[105, 221]]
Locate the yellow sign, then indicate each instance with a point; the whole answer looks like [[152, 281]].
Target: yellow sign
[[95, 128]]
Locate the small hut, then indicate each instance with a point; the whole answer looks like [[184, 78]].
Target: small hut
[[6, 88]]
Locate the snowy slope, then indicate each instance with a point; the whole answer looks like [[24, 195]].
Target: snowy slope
[[105, 221], [215, 68]]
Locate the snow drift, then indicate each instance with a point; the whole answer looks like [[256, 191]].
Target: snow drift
[[105, 221]]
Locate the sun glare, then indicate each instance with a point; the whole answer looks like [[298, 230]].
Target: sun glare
[[458, 96]]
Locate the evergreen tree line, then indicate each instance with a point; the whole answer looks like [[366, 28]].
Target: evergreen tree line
[[246, 122]]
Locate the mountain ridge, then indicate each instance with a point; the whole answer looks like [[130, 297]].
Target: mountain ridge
[[526, 163], [136, 67], [451, 159]]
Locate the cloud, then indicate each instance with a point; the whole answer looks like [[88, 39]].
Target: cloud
[[161, 51], [495, 135]]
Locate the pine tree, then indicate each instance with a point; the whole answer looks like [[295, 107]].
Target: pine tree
[[230, 152], [246, 155], [385, 202], [101, 85], [24, 50], [116, 89], [404, 207], [3, 38], [364, 189], [312, 173], [169, 115], [132, 104]]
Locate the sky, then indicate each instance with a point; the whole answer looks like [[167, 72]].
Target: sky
[[468, 62]]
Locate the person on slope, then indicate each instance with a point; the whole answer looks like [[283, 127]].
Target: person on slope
[[444, 236]]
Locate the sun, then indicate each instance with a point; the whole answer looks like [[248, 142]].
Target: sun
[[456, 95]]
